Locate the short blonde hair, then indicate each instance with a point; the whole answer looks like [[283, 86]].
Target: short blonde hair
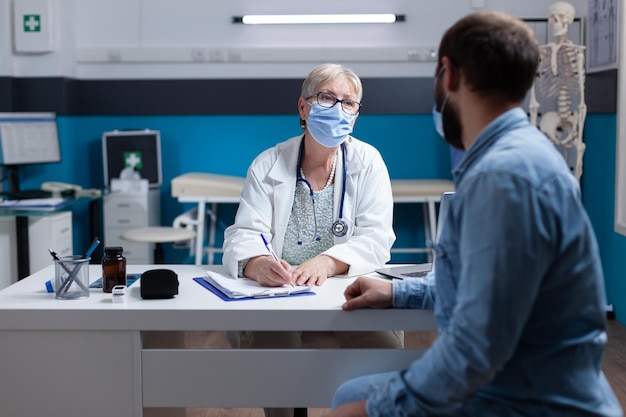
[[326, 72]]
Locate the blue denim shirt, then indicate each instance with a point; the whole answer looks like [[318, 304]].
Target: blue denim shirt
[[519, 292]]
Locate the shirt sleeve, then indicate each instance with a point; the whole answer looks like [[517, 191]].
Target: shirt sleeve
[[504, 249], [414, 292]]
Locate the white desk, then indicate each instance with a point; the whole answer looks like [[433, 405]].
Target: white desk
[[85, 357], [210, 189]]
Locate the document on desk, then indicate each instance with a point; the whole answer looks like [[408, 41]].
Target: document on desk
[[239, 288], [35, 204]]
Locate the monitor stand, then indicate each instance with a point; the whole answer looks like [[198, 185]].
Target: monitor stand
[[21, 226]]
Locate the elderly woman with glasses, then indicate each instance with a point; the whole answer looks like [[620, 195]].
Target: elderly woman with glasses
[[323, 200]]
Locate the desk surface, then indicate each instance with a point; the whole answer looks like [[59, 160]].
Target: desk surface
[[27, 306], [68, 204]]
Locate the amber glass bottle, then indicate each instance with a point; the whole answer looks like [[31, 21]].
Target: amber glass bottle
[[113, 268]]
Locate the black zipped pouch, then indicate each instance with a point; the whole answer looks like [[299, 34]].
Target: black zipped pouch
[[159, 283]]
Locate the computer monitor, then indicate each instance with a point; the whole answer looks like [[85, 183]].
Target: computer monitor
[[140, 149], [28, 138]]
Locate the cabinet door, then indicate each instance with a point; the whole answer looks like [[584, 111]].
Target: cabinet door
[[8, 252], [49, 232], [124, 211]]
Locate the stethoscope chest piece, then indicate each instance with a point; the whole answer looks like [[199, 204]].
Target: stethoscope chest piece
[[340, 228]]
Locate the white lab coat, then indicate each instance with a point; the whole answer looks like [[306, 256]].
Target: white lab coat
[[267, 199]]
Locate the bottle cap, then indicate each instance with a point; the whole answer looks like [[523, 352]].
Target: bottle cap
[[113, 249]]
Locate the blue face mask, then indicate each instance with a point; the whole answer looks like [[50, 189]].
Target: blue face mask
[[329, 127], [438, 121]]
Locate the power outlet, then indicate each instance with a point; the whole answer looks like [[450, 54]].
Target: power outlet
[[422, 54], [217, 55], [114, 55], [199, 55]]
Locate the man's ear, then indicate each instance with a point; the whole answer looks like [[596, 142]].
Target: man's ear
[[451, 76]]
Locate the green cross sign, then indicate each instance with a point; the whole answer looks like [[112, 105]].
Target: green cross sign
[[132, 160], [32, 23]]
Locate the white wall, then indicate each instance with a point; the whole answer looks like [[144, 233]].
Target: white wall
[[160, 38]]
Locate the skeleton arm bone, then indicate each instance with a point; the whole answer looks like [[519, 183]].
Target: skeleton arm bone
[[533, 106]]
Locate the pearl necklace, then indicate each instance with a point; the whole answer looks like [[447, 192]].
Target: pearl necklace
[[330, 177]]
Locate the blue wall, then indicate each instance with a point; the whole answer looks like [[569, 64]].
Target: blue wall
[[408, 143], [598, 187], [227, 145]]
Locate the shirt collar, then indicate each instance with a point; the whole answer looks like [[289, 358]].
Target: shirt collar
[[511, 119]]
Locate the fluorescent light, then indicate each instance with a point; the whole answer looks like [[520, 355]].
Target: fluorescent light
[[285, 19]]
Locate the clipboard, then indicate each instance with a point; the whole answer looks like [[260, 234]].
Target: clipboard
[[224, 297], [130, 280]]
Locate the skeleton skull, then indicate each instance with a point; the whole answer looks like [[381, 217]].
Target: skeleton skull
[[561, 15]]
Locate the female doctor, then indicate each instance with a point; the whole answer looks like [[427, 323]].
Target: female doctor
[[322, 200]]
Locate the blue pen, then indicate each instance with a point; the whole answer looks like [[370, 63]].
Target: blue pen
[[92, 247], [268, 245]]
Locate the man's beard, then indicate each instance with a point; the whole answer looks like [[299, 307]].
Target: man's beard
[[450, 120]]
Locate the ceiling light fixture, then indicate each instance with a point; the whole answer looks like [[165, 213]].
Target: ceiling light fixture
[[287, 19]]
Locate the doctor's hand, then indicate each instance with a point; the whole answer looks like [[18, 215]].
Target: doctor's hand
[[368, 293], [268, 272], [355, 409], [316, 270]]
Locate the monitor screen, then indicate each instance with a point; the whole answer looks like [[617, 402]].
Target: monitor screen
[[138, 149], [28, 138]]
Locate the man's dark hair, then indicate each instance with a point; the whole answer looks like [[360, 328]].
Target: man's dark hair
[[496, 52]]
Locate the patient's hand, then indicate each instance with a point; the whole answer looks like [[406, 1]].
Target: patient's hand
[[368, 293]]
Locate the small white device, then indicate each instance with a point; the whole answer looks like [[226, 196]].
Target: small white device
[[117, 294]]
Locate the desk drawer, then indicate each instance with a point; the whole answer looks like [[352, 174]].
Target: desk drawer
[[126, 205], [258, 377], [127, 220], [126, 209]]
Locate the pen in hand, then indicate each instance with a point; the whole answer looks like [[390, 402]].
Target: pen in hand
[[268, 245]]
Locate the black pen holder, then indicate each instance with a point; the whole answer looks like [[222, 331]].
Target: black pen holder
[[159, 283]]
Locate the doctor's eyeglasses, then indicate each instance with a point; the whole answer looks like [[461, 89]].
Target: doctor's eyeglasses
[[328, 100]]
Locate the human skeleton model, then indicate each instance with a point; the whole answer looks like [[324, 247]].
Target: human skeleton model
[[561, 75]]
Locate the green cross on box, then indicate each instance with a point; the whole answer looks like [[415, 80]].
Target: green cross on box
[[132, 160], [32, 23]]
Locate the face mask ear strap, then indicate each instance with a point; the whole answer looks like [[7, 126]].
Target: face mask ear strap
[[445, 101]]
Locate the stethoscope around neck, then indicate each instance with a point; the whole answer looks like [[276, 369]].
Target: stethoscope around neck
[[339, 227]]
